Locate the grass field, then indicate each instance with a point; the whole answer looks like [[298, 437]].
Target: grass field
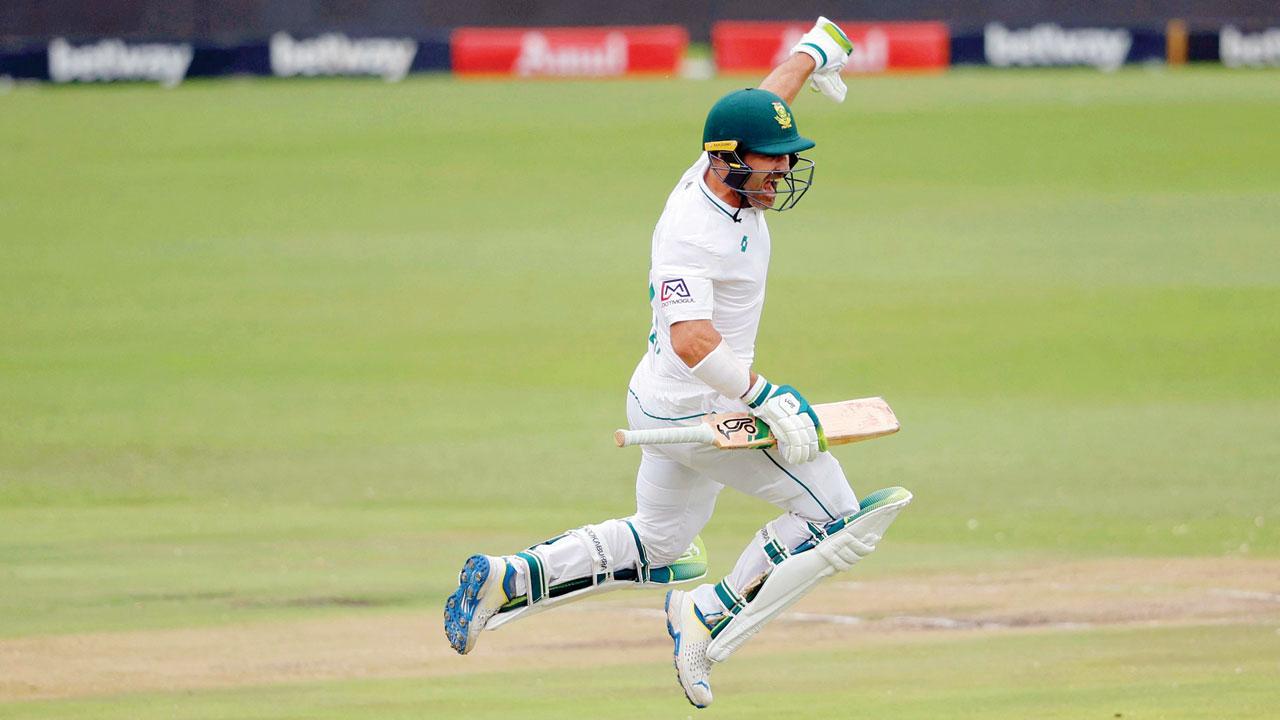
[[276, 356]]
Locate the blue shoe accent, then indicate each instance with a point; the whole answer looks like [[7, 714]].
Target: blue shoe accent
[[703, 619], [461, 606], [675, 636], [509, 581]]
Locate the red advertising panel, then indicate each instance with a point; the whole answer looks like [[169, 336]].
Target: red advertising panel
[[568, 52], [742, 46]]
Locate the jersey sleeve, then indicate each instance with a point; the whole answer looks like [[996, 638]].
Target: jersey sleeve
[[683, 277]]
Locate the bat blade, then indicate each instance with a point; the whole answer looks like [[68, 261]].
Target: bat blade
[[856, 420], [843, 423]]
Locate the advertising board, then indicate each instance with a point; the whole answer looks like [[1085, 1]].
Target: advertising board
[[569, 52], [1049, 44], [169, 63], [749, 46]]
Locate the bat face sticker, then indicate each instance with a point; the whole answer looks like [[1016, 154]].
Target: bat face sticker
[[733, 425]]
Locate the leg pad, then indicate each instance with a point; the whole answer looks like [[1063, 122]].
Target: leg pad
[[846, 542], [692, 565]]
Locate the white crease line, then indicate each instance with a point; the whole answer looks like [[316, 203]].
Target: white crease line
[[849, 585], [943, 623], [923, 622], [904, 621], [649, 612], [1245, 594], [822, 618]]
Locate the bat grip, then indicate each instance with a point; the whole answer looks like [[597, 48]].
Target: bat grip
[[665, 436]]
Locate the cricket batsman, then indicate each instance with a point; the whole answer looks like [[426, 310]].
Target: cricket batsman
[[710, 259]]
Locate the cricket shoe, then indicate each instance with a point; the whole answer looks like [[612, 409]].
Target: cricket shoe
[[691, 637], [484, 585]]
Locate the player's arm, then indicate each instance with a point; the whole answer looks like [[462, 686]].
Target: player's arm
[[788, 414], [819, 57], [694, 340], [786, 80]]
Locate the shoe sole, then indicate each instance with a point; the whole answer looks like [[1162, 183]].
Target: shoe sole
[[460, 608]]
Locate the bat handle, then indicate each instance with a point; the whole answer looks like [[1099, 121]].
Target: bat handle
[[699, 433]]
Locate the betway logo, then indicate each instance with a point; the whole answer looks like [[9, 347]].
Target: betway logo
[[870, 52], [108, 60], [1053, 45], [337, 54], [539, 57], [1260, 48]]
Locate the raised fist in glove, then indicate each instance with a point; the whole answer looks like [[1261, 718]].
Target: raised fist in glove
[[789, 416], [829, 47]]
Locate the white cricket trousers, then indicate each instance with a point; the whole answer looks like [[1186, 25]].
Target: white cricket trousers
[[676, 489]]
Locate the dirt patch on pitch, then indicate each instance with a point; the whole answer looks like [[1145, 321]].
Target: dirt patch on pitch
[[410, 644]]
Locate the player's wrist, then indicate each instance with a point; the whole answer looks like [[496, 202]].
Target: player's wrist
[[811, 58], [812, 53], [758, 392]]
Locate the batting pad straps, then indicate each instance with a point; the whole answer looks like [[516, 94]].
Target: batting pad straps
[[537, 577], [598, 551], [642, 567], [723, 371], [774, 548]]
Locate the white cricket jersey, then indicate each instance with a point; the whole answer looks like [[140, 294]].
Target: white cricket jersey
[[708, 262]]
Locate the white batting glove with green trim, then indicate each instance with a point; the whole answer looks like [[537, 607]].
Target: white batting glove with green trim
[[790, 417], [829, 47]]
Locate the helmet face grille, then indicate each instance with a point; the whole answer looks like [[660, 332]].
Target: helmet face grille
[[790, 187]]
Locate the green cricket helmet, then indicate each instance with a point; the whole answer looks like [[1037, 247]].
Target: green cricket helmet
[[758, 121]]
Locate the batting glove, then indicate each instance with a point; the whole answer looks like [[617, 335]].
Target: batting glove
[[829, 47], [792, 420]]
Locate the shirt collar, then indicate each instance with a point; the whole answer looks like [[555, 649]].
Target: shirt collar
[[733, 213]]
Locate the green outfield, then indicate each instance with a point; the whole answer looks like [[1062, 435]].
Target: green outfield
[[275, 357]]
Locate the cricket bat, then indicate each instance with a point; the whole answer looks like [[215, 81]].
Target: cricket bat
[[843, 422]]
